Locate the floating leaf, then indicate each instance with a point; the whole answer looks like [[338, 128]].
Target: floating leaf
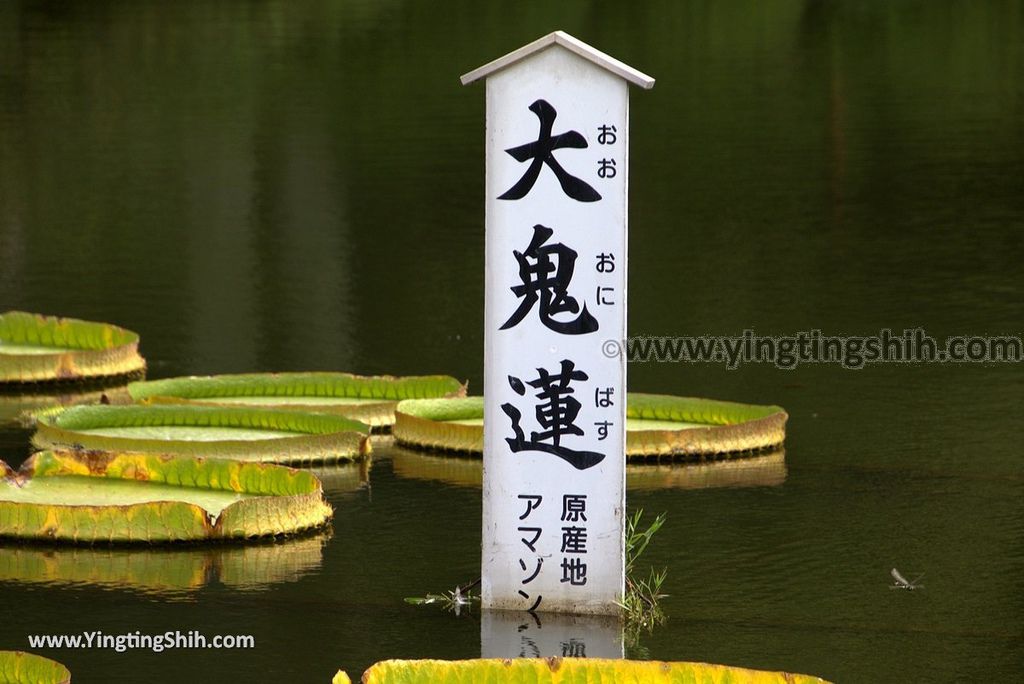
[[660, 425], [245, 433], [566, 671], [18, 667], [657, 426], [35, 348], [445, 424], [423, 600], [22, 408], [105, 497], [368, 399]]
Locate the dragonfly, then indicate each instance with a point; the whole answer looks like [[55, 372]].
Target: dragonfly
[[901, 582]]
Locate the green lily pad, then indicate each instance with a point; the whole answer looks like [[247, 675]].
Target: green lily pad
[[21, 409], [168, 571], [657, 426], [251, 434], [368, 399], [443, 424], [36, 348], [106, 497], [566, 671], [18, 667], [702, 427]]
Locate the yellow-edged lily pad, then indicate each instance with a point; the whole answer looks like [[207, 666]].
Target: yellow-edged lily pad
[[105, 497], [21, 409], [567, 671], [657, 426], [36, 348], [368, 399], [18, 667], [251, 434]]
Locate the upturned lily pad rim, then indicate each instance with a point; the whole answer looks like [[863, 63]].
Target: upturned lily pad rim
[[306, 384], [283, 500], [21, 667], [319, 437], [377, 394], [732, 427], [565, 671], [22, 408], [83, 350], [185, 415], [729, 427]]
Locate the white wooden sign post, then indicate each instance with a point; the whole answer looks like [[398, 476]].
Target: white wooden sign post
[[555, 314]]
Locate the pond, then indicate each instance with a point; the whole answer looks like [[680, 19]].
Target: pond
[[258, 186]]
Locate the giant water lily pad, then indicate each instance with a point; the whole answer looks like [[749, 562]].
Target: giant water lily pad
[[566, 671], [36, 348], [444, 424], [21, 408], [103, 497], [171, 572], [18, 667], [660, 425], [657, 426], [368, 399], [251, 434]]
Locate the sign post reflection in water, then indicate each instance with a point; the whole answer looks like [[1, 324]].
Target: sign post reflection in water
[[507, 634], [554, 380]]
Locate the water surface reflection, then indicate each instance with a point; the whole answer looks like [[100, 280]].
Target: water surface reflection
[[760, 470], [175, 573]]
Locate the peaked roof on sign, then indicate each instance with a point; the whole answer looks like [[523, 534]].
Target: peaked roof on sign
[[569, 43]]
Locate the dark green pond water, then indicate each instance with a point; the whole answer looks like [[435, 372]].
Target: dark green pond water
[[299, 185]]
